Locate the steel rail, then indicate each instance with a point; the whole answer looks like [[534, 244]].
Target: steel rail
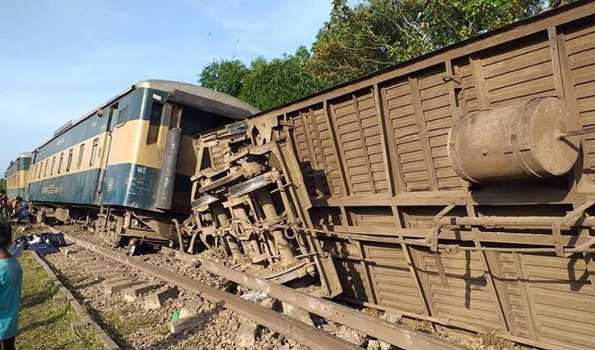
[[289, 327], [366, 324]]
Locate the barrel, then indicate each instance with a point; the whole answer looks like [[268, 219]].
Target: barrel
[[520, 141]]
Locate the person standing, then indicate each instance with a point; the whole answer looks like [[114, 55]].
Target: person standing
[[3, 198], [11, 278], [3, 206]]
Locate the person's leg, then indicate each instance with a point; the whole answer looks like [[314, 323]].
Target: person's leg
[[8, 344]]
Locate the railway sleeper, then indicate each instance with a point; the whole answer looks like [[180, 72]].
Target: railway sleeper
[[304, 334]]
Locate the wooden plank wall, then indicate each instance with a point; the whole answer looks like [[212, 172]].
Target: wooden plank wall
[[579, 42], [388, 137], [348, 149], [547, 300]]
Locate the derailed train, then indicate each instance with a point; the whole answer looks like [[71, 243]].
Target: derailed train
[[125, 167], [456, 188]]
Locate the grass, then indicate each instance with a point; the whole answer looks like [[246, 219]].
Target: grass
[[43, 324]]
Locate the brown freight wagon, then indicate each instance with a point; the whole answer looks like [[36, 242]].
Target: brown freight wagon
[[456, 188]]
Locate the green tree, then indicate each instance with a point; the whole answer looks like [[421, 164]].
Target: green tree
[[225, 76], [361, 39], [2, 184], [280, 80], [375, 34]]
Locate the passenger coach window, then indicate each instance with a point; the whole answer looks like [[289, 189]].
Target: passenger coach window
[[113, 110], [60, 162], [123, 115], [69, 161], [154, 122], [81, 153], [45, 169], [53, 163], [94, 151]]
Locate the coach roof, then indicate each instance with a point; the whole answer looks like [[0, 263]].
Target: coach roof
[[208, 100], [241, 109]]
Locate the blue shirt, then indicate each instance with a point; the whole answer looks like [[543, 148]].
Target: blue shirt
[[11, 277]]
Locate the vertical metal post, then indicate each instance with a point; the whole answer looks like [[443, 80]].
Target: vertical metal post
[[224, 223], [265, 200]]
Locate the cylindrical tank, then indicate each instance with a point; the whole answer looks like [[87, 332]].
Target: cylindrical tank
[[167, 175], [514, 142]]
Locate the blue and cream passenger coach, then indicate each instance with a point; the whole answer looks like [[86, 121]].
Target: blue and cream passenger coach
[[126, 166], [17, 176]]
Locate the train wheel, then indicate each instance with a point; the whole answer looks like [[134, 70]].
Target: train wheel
[[114, 232]]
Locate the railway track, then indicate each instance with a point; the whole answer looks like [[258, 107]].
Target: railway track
[[287, 326]]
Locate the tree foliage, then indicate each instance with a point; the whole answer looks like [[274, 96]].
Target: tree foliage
[[379, 33], [225, 76], [364, 38], [3, 184], [275, 82], [264, 84]]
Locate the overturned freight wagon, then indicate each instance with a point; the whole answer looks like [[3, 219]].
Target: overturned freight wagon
[[455, 188], [125, 167]]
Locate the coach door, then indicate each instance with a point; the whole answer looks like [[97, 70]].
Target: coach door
[[112, 117]]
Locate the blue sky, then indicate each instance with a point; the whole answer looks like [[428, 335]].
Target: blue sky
[[60, 59]]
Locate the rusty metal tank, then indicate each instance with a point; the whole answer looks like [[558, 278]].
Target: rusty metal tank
[[521, 141]]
